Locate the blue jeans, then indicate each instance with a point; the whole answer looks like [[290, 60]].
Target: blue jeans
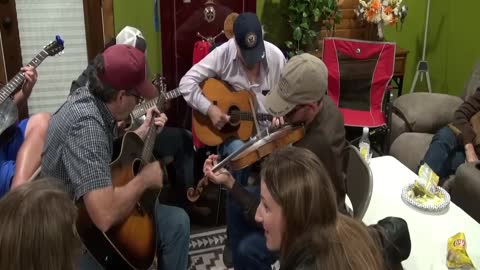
[[445, 153], [228, 147], [173, 237], [247, 240]]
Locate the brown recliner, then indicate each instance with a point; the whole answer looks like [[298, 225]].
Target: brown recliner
[[416, 118], [465, 189]]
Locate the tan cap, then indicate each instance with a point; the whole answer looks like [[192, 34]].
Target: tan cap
[[302, 80]]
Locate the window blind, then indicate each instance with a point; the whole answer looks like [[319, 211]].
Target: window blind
[[38, 23]]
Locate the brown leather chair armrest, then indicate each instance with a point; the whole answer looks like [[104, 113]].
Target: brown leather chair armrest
[[426, 112], [466, 189]]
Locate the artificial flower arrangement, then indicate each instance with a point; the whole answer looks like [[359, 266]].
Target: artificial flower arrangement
[[381, 12]]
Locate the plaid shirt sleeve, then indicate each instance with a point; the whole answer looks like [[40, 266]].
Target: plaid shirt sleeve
[[86, 157]]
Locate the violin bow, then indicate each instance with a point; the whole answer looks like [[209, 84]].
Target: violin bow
[[193, 193], [254, 114]]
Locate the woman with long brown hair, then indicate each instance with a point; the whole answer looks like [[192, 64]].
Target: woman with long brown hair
[[37, 228], [300, 219]]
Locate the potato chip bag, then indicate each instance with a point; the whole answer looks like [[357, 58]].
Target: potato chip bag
[[427, 180], [457, 257]]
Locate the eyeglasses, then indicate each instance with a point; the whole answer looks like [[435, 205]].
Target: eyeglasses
[[133, 94]]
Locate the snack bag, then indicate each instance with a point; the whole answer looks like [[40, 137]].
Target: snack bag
[[457, 257], [427, 180]]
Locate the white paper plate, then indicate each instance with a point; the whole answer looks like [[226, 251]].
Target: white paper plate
[[430, 207]]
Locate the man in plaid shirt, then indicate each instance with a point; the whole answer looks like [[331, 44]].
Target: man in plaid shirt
[[79, 149]]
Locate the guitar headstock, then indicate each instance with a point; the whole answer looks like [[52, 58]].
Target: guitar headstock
[[55, 47], [159, 82]]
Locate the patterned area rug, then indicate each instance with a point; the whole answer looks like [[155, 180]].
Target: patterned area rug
[[206, 249]]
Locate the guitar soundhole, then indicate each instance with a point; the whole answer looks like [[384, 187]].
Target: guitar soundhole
[[234, 123], [234, 117]]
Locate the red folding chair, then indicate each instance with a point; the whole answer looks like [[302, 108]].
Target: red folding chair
[[359, 73]]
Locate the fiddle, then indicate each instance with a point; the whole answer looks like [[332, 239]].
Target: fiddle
[[285, 136], [255, 149]]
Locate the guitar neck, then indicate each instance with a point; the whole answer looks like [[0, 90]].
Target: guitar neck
[[141, 109], [248, 116], [149, 142], [18, 79]]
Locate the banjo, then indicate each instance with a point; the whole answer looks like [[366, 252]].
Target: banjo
[[8, 110]]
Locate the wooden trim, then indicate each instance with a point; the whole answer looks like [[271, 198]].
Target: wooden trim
[[108, 21], [10, 38], [11, 47], [92, 10]]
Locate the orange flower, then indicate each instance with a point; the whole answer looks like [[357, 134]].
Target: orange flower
[[375, 4], [388, 10], [370, 14]]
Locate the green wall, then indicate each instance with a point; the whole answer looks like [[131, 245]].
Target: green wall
[[271, 13], [453, 38], [139, 14], [453, 42], [464, 43]]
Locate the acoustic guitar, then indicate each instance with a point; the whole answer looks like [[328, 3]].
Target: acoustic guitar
[[8, 110], [234, 103], [130, 244]]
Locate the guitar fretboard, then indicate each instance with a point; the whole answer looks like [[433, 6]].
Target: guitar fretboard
[[149, 141], [16, 81], [141, 109], [249, 116]]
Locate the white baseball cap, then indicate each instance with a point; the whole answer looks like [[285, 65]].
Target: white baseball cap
[[133, 37]]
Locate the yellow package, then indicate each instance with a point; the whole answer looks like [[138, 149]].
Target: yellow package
[[457, 257], [427, 180]]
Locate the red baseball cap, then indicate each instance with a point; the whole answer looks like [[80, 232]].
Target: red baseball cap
[[124, 69]]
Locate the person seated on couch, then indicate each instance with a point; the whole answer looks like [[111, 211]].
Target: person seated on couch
[[457, 142]]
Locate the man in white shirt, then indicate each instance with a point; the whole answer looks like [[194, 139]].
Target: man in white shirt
[[245, 62]]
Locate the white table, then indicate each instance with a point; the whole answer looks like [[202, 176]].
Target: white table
[[429, 232]]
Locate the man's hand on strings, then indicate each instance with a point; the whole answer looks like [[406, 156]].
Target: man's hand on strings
[[218, 118], [30, 74], [277, 122], [160, 120]]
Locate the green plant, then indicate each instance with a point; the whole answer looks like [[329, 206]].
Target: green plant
[[307, 18]]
